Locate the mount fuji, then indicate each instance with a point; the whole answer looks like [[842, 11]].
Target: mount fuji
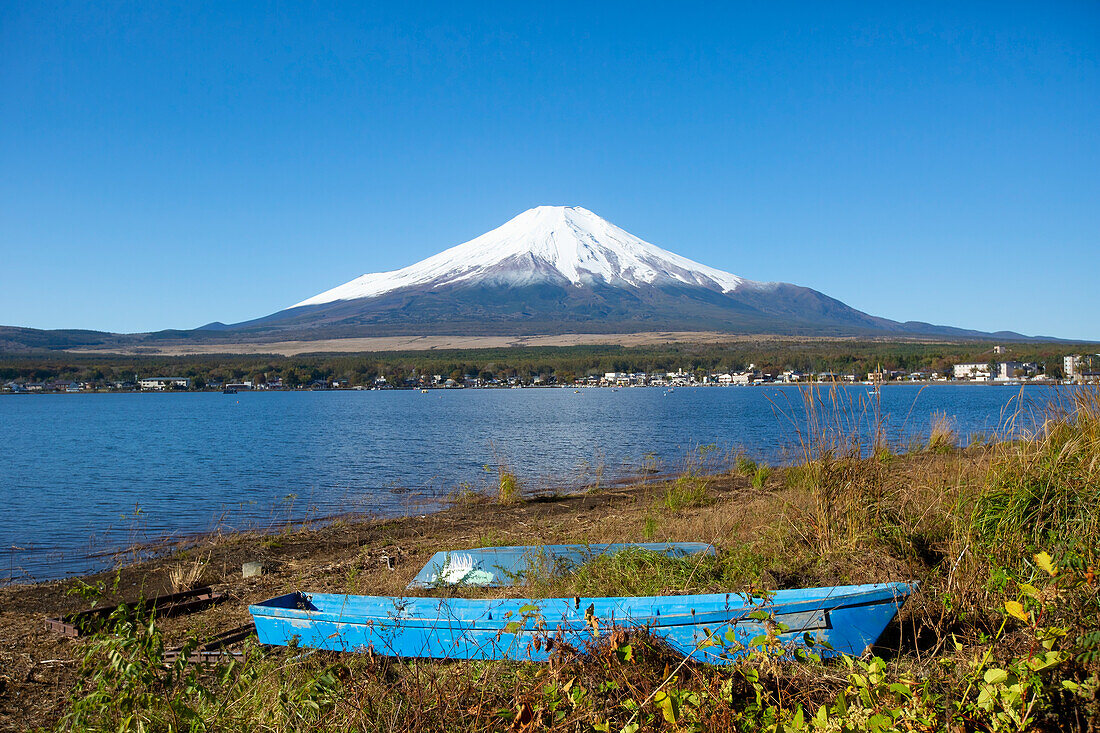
[[560, 272], [563, 269]]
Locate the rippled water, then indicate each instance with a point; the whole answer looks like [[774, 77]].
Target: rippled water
[[86, 474]]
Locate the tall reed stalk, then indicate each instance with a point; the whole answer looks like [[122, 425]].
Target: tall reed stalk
[[836, 431], [1044, 487]]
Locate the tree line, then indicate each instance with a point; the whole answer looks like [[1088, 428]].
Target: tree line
[[564, 364]]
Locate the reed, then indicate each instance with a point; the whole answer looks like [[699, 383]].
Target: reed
[[1043, 489], [942, 435], [185, 575]]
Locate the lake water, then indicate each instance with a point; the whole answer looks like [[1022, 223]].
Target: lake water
[[83, 475]]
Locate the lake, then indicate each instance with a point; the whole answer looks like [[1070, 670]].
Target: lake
[[84, 475]]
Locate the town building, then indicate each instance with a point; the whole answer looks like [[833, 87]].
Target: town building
[[1072, 364], [973, 372], [163, 383]]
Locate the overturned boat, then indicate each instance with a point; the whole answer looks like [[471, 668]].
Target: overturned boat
[[497, 567]]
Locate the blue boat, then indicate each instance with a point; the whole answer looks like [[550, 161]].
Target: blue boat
[[496, 567], [712, 628]]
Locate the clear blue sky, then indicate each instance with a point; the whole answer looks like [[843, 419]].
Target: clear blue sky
[[170, 164]]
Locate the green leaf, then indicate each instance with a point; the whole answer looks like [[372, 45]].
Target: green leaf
[[529, 608], [667, 706], [996, 676], [899, 689], [1030, 590], [513, 627], [1049, 659], [760, 615], [879, 722], [631, 728]]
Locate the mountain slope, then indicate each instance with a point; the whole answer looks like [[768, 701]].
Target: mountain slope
[[558, 269], [551, 270]]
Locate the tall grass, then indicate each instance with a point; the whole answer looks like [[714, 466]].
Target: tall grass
[[942, 436], [836, 431], [1044, 488]]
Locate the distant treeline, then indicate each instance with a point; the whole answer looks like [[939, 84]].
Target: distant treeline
[[563, 363]]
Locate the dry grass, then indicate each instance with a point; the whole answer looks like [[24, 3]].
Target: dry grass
[[942, 435], [185, 575]]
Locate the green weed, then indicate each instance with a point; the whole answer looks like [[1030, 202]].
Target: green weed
[[760, 475]]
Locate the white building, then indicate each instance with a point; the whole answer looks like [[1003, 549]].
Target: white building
[[742, 378], [162, 383], [974, 372], [1071, 365]]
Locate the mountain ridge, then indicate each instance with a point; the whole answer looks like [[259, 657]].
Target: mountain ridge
[[561, 269], [549, 270]]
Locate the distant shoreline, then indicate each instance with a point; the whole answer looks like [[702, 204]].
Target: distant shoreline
[[1046, 383]]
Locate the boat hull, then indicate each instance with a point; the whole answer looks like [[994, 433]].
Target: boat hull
[[712, 628]]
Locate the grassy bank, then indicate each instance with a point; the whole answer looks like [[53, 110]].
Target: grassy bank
[[1002, 634]]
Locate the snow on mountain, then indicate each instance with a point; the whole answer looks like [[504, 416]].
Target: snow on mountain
[[566, 244]]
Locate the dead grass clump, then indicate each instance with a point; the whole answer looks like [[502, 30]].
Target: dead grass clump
[[942, 436], [184, 576]]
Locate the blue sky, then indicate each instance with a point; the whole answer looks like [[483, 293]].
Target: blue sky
[[170, 164]]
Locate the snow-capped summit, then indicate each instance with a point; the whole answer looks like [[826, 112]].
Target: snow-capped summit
[[546, 244], [560, 270]]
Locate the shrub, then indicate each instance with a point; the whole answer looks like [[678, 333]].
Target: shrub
[[509, 491]]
